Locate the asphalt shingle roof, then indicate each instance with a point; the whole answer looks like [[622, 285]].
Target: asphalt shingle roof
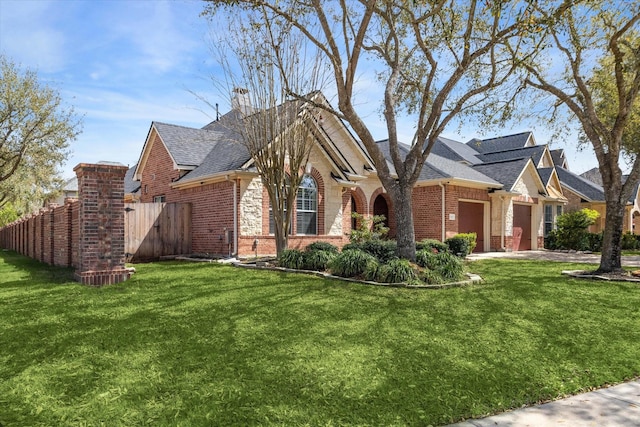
[[535, 152], [454, 150], [438, 167], [505, 172], [586, 189], [131, 186], [545, 174], [501, 143], [188, 146]]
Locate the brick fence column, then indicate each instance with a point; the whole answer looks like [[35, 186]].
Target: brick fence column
[[101, 224]]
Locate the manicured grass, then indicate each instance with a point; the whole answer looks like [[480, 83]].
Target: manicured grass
[[202, 344]]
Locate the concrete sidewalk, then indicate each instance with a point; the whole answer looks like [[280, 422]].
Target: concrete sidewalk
[[627, 260], [608, 407]]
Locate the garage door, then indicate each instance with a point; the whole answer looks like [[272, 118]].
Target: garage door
[[522, 227], [471, 217]]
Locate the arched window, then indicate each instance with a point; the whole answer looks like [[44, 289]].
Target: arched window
[[307, 206]]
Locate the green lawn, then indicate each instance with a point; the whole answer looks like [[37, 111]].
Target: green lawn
[[204, 344]]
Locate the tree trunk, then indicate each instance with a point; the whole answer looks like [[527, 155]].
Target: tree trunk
[[610, 260], [401, 196], [281, 243]]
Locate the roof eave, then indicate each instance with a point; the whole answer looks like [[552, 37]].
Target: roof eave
[[213, 178]]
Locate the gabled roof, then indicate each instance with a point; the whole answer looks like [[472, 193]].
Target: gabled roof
[[438, 168], [545, 174], [225, 156], [506, 172], [454, 150], [187, 146], [559, 158], [552, 183], [587, 190], [535, 152], [502, 143]]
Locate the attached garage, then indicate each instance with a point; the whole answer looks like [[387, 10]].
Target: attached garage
[[471, 220], [521, 227]]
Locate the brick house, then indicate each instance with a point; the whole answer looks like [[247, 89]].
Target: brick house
[[586, 191], [492, 187]]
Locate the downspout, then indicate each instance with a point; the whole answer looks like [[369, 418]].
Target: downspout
[[502, 224], [443, 209]]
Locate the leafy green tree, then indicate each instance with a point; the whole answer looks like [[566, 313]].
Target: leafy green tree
[[8, 214], [571, 228], [35, 133], [436, 61], [588, 65]]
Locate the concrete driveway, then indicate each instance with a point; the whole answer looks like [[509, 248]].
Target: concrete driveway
[[559, 256]]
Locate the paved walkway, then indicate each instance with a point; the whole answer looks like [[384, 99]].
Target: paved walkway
[[608, 407], [628, 260]]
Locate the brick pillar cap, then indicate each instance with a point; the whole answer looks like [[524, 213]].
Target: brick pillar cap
[[100, 166]]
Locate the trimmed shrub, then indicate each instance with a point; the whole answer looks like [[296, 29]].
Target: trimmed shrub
[[629, 241], [432, 245], [318, 260], [551, 241], [397, 271], [593, 242], [291, 258], [351, 263], [322, 246], [462, 244]]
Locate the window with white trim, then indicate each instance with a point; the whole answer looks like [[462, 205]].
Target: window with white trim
[[548, 219], [307, 207]]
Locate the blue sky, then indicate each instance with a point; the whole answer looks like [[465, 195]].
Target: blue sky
[[125, 63]]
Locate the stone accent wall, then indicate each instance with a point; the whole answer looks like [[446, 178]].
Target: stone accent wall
[[251, 198]]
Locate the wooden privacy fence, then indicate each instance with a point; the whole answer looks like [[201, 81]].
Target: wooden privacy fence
[[153, 230]]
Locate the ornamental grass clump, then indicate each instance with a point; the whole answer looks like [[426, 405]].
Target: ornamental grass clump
[[291, 258], [318, 260], [351, 263], [446, 265], [397, 271], [382, 250]]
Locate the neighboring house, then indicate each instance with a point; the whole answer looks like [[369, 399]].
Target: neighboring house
[[131, 186], [69, 190], [504, 189], [596, 198]]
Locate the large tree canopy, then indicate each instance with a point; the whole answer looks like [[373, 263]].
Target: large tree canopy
[[435, 60], [594, 74], [35, 132]]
